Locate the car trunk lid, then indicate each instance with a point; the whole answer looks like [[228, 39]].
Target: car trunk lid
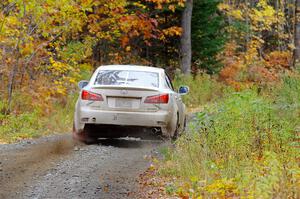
[[126, 98]]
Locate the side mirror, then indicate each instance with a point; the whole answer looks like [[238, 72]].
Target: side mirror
[[183, 90], [82, 84]]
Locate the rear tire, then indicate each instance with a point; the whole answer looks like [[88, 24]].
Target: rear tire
[[84, 135], [184, 124], [176, 132]]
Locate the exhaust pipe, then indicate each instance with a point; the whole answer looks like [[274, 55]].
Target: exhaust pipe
[[156, 130]]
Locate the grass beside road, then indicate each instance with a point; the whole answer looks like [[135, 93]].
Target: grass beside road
[[203, 89], [34, 121], [243, 145]]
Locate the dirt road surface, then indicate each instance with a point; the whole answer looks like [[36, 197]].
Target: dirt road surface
[[55, 167]]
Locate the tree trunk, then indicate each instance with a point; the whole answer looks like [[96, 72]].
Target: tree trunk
[[12, 75], [186, 43], [11, 85], [297, 33]]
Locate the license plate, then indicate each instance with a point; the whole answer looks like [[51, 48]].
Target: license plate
[[123, 103]]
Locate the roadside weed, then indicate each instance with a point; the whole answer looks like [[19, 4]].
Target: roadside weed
[[241, 146], [203, 88]]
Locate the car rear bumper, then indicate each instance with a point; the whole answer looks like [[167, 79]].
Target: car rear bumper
[[146, 119]]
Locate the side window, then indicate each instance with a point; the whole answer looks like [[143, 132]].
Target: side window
[[168, 82]]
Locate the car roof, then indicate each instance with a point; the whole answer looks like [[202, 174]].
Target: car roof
[[131, 67]]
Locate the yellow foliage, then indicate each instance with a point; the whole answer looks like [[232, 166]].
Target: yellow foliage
[[173, 31], [27, 49], [138, 4], [251, 55], [222, 188], [223, 6], [237, 14], [264, 16]]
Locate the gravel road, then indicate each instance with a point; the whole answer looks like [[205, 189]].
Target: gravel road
[[55, 167]]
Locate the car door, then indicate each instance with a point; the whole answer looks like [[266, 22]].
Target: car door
[[177, 98]]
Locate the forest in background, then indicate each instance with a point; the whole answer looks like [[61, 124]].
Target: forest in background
[[48, 45]]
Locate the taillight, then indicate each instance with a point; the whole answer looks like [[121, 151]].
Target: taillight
[[86, 95], [157, 99]]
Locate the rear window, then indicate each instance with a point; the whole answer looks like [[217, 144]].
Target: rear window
[[127, 77]]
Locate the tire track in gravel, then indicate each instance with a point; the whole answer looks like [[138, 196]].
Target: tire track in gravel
[[56, 168], [19, 165]]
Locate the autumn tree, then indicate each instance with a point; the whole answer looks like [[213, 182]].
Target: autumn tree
[[33, 35], [140, 30], [261, 40], [49, 44]]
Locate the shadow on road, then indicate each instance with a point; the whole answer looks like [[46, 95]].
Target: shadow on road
[[128, 142]]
